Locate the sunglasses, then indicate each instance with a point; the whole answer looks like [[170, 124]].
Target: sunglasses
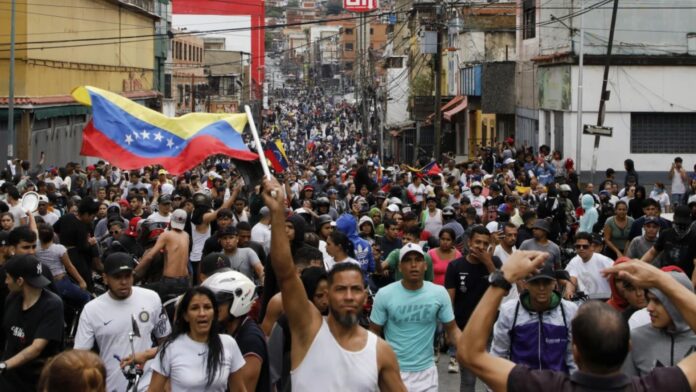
[[582, 246]]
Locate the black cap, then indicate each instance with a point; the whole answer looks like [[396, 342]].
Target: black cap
[[682, 215], [546, 272], [651, 220], [29, 268], [542, 224], [495, 187], [229, 230], [164, 199], [214, 262], [118, 262]]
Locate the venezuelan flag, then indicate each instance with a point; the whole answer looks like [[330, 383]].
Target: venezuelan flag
[[131, 136], [276, 155]]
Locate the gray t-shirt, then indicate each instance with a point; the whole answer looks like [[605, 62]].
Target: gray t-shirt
[[244, 260], [638, 247], [50, 257], [554, 260]]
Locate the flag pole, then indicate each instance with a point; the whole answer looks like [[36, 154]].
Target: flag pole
[[259, 149]]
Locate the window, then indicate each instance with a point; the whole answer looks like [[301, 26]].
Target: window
[[349, 47], [372, 31], [349, 31], [663, 133], [528, 19], [348, 66]]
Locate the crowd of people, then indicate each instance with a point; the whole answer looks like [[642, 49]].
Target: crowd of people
[[346, 273]]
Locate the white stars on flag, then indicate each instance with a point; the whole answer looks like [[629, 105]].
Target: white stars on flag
[[158, 136], [170, 143], [129, 139], [151, 140], [145, 134]]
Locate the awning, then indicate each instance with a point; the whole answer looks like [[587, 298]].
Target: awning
[[452, 103], [452, 112]]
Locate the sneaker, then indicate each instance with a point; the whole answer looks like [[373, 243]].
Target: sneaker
[[453, 366]]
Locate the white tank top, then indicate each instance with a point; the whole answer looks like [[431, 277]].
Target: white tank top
[[329, 367], [198, 240], [433, 223]]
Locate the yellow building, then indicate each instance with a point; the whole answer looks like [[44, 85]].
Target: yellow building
[[64, 44]]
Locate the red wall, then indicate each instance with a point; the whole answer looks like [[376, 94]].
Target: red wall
[[254, 8]]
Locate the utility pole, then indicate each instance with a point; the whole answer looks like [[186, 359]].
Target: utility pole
[[437, 124], [578, 143], [365, 43], [193, 97], [10, 103], [604, 97]]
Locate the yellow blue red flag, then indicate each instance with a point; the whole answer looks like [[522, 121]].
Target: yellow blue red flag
[[276, 154], [131, 136]]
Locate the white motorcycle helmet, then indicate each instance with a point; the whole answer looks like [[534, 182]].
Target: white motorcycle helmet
[[233, 287]]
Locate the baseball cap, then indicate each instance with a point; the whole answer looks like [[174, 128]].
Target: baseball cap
[[542, 224], [162, 171], [29, 268], [117, 262], [133, 227], [43, 199], [408, 248], [178, 220], [4, 238], [508, 161], [393, 208], [546, 272], [229, 230], [214, 262], [164, 199], [682, 215], [651, 220]]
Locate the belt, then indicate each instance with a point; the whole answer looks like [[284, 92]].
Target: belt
[[179, 279], [58, 277]]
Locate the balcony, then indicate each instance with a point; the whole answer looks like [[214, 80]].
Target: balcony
[[146, 7]]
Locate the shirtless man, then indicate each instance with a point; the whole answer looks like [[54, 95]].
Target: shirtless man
[[175, 242], [322, 349]]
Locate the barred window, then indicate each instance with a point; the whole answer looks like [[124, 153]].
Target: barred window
[[663, 133]]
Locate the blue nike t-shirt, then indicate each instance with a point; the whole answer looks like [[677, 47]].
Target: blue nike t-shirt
[[409, 319]]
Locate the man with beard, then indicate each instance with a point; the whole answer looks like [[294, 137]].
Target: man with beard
[[408, 311], [332, 354]]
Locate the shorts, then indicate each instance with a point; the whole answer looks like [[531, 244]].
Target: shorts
[[422, 381]]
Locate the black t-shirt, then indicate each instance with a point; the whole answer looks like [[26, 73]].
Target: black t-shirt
[[388, 245], [212, 245], [44, 320], [522, 379], [679, 252], [469, 282], [252, 341]]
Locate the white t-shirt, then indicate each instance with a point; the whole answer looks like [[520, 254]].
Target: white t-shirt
[[107, 322], [477, 202], [589, 275], [158, 218], [184, 363], [51, 217], [499, 252], [417, 191], [261, 233]]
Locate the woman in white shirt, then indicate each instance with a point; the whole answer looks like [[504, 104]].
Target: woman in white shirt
[[195, 357]]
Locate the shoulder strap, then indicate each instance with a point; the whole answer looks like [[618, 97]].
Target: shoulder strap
[[565, 323], [511, 333]]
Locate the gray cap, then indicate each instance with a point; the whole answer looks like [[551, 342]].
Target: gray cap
[[542, 224]]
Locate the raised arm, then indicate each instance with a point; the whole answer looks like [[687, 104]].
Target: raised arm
[[471, 348], [304, 320]]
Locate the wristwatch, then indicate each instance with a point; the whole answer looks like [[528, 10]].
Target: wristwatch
[[497, 279], [3, 367]]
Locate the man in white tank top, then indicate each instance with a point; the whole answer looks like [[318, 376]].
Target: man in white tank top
[[332, 354]]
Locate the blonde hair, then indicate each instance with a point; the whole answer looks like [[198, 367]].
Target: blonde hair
[[73, 370]]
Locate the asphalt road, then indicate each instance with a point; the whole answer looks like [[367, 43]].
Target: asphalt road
[[449, 382]]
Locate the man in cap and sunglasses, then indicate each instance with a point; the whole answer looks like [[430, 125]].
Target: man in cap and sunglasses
[[585, 270]]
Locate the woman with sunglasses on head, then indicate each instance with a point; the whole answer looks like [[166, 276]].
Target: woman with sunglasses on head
[[195, 357]]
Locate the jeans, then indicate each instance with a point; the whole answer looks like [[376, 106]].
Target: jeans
[[71, 292], [169, 288], [467, 380]]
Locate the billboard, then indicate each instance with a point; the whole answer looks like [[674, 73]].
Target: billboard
[[360, 5]]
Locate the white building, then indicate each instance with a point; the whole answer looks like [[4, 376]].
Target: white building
[[652, 107]]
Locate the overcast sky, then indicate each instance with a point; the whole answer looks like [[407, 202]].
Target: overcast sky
[[237, 40]]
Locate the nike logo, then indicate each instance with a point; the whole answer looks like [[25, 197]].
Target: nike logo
[[107, 322]]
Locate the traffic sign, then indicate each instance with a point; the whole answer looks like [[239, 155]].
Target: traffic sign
[[360, 5], [597, 130]]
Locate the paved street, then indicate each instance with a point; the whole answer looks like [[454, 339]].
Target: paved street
[[449, 382]]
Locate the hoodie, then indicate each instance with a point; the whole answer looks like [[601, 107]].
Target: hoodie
[[653, 347], [590, 217], [537, 340], [347, 225], [616, 301]]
